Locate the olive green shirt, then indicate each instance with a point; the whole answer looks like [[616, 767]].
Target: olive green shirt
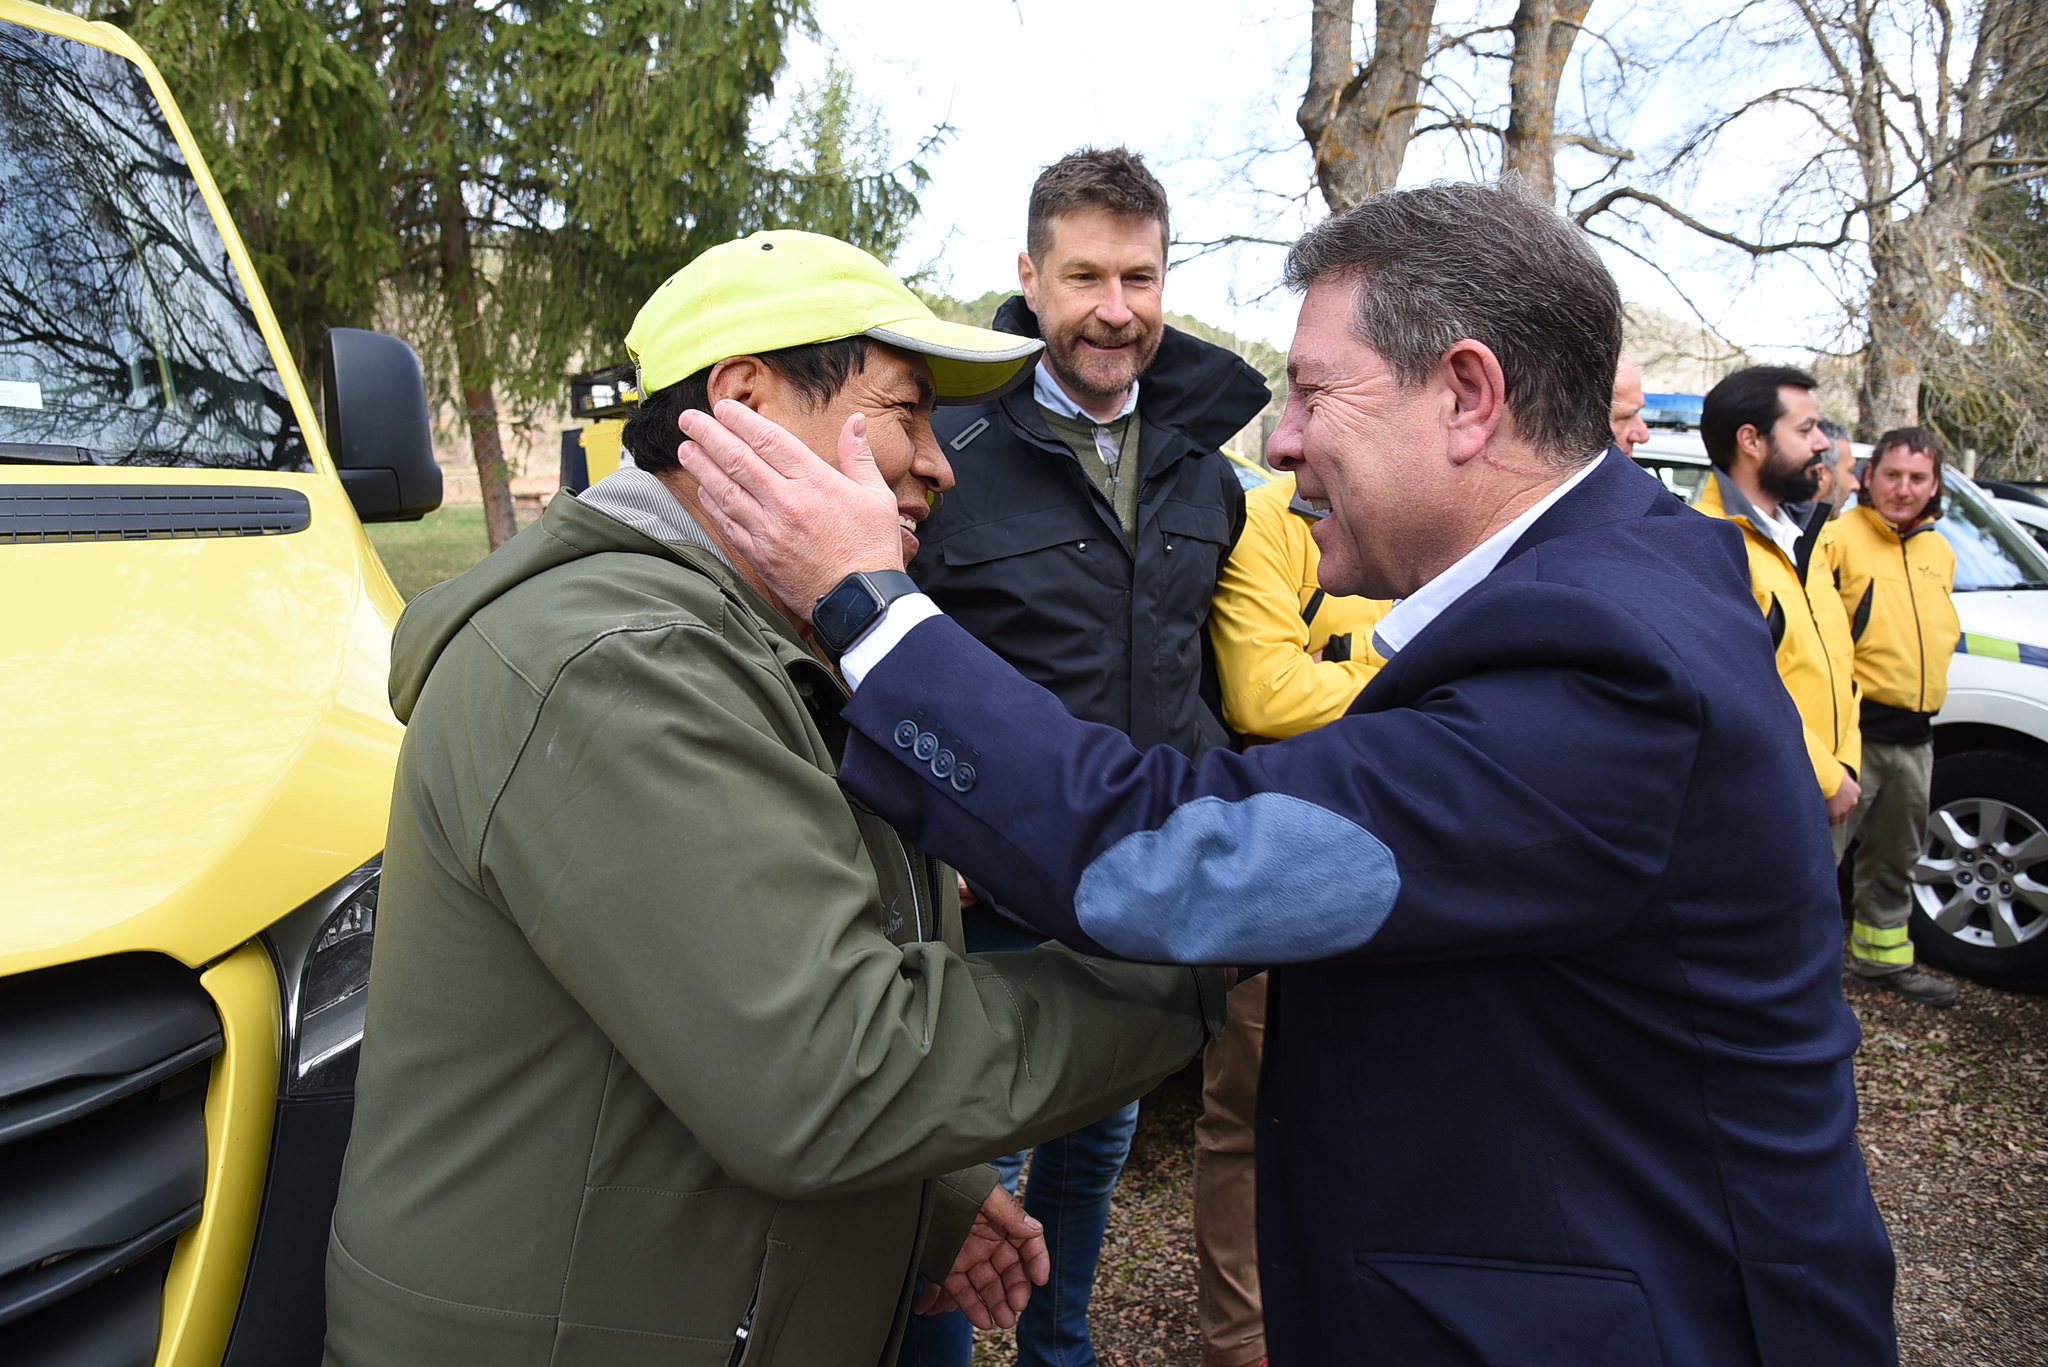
[[1119, 481]]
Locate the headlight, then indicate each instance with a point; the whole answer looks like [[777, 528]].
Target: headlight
[[323, 963]]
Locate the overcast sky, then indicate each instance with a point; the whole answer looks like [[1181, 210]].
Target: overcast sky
[[1199, 86]]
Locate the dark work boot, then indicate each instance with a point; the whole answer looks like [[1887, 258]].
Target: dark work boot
[[1912, 984]]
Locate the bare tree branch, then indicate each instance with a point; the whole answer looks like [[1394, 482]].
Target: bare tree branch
[[1206, 247], [1585, 216], [1596, 147]]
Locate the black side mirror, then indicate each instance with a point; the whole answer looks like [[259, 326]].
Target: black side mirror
[[378, 427]]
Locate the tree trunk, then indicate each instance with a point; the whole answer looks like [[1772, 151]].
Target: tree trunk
[[1915, 256], [472, 362], [1544, 33], [1358, 120], [1888, 393], [1915, 273]]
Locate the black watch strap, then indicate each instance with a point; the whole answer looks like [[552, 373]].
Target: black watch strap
[[854, 604]]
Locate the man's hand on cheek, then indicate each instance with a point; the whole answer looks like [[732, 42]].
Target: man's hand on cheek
[[802, 524]]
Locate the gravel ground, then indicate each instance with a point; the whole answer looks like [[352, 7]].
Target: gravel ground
[[1955, 1129]]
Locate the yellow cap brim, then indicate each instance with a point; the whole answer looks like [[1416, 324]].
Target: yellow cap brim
[[969, 364]]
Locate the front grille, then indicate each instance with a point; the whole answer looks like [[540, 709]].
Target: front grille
[[103, 1070], [147, 512]]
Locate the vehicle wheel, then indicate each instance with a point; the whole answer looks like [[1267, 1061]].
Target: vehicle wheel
[[1980, 889]]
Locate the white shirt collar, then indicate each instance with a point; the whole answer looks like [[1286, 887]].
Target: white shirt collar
[[1046, 390], [1782, 530], [1411, 615]]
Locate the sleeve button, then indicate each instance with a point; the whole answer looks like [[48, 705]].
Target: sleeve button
[[942, 764], [906, 734], [927, 745], [963, 777]]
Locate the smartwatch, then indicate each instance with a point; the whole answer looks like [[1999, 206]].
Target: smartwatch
[[856, 603]]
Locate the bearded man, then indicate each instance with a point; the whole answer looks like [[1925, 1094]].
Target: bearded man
[[1762, 430], [1091, 518]]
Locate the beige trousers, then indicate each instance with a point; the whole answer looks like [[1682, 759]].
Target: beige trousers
[[1226, 1239]]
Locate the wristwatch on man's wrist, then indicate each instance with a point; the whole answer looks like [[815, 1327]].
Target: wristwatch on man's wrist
[[856, 603]]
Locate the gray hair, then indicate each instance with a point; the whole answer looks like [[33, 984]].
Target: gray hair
[[1441, 263], [1832, 430]]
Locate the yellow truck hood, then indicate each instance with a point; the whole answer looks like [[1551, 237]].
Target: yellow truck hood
[[196, 730]]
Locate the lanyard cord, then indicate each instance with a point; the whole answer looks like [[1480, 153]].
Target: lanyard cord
[[1113, 458]]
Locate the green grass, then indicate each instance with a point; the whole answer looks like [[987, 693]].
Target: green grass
[[439, 546]]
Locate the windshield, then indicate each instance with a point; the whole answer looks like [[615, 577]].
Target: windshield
[[125, 337], [1990, 552], [1682, 477]]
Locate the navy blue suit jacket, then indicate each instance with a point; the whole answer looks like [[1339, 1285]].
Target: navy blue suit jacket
[[1558, 1065]]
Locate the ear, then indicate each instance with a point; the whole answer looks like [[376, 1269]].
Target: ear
[[1027, 279], [1751, 442], [739, 378], [1471, 376]]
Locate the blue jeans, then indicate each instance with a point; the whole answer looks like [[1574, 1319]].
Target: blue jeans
[[1071, 1182]]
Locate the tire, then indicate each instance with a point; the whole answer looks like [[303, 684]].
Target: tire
[[1987, 820]]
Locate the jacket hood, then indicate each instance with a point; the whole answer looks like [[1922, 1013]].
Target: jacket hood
[[1723, 497], [567, 531], [1203, 391]]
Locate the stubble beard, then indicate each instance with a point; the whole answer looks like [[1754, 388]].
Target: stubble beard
[[1911, 510], [1097, 376]]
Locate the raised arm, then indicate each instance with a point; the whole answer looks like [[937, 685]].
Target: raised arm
[[1547, 738], [1356, 838]]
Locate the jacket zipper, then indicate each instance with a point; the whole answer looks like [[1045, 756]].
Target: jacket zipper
[[739, 1336], [931, 873], [1919, 637], [910, 880], [1834, 703], [1834, 699], [931, 880]]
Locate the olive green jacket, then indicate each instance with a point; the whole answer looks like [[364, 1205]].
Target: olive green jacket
[[666, 1036]]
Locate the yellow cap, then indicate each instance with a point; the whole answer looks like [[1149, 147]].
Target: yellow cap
[[783, 289]]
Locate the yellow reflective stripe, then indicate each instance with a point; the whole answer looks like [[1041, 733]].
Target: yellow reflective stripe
[[1878, 945]]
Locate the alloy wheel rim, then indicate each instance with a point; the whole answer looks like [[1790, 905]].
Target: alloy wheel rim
[[1982, 876]]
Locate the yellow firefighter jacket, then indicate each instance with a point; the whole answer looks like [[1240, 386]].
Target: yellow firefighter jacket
[[1269, 616], [1811, 631], [1896, 591]]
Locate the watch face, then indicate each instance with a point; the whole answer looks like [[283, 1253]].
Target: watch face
[[854, 603], [844, 613]]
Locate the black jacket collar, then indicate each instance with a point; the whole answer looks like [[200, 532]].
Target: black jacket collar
[[1195, 388]]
